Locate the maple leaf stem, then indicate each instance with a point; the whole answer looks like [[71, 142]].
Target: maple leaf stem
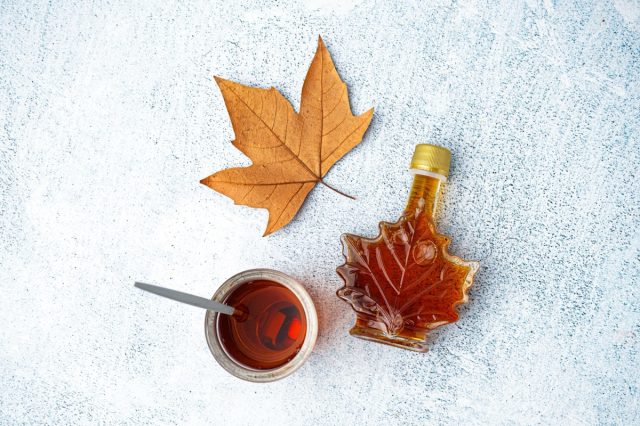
[[336, 190]]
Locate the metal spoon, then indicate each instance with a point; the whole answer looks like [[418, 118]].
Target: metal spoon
[[190, 299]]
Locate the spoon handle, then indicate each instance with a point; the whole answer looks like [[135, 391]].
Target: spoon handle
[[189, 299]]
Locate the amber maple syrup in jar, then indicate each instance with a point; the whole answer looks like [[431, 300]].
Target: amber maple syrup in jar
[[274, 332], [271, 330]]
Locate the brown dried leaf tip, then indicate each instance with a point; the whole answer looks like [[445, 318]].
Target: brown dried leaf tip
[[291, 152]]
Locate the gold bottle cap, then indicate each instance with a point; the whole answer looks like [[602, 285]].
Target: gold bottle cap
[[431, 158]]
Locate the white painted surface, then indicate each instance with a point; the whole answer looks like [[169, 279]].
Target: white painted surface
[[109, 118]]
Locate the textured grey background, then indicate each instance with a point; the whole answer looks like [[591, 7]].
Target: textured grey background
[[109, 118]]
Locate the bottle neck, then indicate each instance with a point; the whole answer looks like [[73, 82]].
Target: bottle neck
[[425, 187]]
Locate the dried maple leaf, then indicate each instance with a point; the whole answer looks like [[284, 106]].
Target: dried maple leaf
[[290, 152]]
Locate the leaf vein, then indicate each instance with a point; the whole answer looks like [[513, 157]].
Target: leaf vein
[[264, 183], [288, 202], [335, 106], [341, 142], [338, 125]]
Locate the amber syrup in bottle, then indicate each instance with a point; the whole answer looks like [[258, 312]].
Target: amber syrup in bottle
[[271, 330], [403, 282]]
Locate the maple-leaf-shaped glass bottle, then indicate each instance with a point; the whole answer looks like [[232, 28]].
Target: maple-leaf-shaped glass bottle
[[403, 282]]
